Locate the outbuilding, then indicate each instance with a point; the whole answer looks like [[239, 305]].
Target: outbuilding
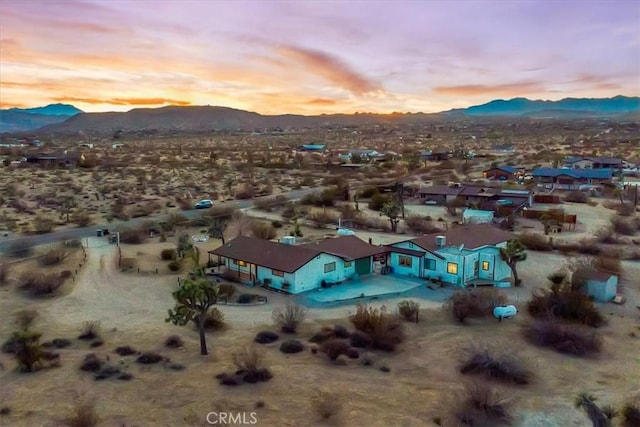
[[601, 286]]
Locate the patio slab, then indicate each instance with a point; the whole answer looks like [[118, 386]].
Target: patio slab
[[364, 288]]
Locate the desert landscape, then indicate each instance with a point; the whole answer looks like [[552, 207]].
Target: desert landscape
[[319, 213]]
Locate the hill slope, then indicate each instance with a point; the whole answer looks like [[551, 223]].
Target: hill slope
[[26, 119]]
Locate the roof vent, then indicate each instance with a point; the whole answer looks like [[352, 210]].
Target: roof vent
[[441, 241]]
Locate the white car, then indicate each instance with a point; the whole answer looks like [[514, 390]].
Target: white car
[[504, 312], [203, 204], [430, 202]]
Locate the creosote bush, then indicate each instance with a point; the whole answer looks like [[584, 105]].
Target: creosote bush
[[481, 405], [384, 329], [409, 310], [250, 364], [326, 405], [289, 317], [84, 416], [495, 364], [565, 303], [475, 303], [570, 339]]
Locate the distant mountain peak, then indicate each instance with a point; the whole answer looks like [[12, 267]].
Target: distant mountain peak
[[50, 110]]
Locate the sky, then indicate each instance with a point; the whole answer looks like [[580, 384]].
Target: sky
[[312, 57]]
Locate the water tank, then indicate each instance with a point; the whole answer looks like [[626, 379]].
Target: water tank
[[441, 241], [345, 232], [505, 311], [288, 240]]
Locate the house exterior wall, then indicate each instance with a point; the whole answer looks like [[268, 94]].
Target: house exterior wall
[[602, 291], [311, 275], [411, 271], [580, 164]]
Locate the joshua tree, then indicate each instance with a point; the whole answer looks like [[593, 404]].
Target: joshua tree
[[193, 299], [512, 254], [599, 417], [391, 209]]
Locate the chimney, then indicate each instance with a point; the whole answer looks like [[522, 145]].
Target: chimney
[[441, 241]]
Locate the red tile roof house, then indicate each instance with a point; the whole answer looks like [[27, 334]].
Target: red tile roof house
[[463, 255]]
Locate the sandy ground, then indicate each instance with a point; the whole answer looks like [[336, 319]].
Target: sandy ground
[[131, 309]]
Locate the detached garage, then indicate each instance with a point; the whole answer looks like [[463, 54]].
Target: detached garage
[[601, 286]]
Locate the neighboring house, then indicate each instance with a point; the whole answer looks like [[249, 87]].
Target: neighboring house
[[437, 156], [504, 148], [312, 147], [475, 216], [572, 179], [484, 198], [592, 162], [441, 194], [463, 255], [602, 287], [502, 173], [68, 160]]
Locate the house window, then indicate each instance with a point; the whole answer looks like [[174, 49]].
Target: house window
[[329, 267], [429, 264], [241, 263], [452, 268], [485, 265], [405, 261], [277, 273], [347, 264]]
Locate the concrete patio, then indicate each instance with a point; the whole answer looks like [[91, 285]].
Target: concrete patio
[[367, 287]]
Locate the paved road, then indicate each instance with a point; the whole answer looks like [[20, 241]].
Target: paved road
[[79, 233]]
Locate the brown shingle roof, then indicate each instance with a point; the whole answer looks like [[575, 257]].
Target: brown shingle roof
[[440, 190], [351, 247], [405, 251], [472, 235], [586, 274], [277, 256]]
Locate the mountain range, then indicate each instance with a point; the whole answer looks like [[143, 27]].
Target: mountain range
[[26, 119], [66, 119]]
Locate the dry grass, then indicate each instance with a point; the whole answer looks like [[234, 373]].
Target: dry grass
[[568, 339], [384, 329], [498, 362], [481, 405], [84, 416], [326, 405], [289, 317]]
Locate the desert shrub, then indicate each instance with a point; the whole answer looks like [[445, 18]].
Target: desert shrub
[[27, 350], [4, 273], [481, 405], [168, 254], [334, 348], [125, 350], [250, 364], [149, 358], [276, 224], [174, 266], [269, 203], [323, 334], [368, 192], [263, 230], [21, 248], [133, 237], [600, 417], [173, 341], [384, 329], [289, 211], [504, 365], [378, 200], [576, 197], [419, 224], [24, 318], [360, 340], [291, 346], [341, 332], [623, 226], [38, 284], [52, 257], [266, 337], [84, 416], [60, 342], [42, 224], [475, 303], [565, 303], [326, 405], [320, 217], [289, 317], [214, 320], [535, 242], [81, 219], [567, 339], [90, 331], [630, 414], [409, 309]]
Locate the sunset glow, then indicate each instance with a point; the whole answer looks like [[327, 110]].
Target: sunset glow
[[314, 57]]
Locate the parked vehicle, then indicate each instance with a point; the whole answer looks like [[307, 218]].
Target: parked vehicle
[[430, 202], [203, 204]]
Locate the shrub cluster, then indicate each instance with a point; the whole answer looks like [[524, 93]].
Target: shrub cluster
[[383, 329]]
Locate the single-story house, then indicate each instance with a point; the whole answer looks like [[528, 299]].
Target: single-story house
[[592, 162], [312, 147], [476, 216], [502, 173], [435, 156], [441, 194], [463, 255], [359, 253], [572, 179], [69, 160], [282, 266], [601, 286]]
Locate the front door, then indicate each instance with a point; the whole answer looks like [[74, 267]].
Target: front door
[[363, 266]]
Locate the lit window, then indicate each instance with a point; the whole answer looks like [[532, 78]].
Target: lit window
[[347, 264], [277, 273], [242, 263], [429, 264], [452, 268], [405, 261], [329, 267], [485, 265]]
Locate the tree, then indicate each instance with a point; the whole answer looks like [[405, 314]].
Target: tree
[[193, 299], [66, 207], [391, 209], [28, 350], [512, 254]]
